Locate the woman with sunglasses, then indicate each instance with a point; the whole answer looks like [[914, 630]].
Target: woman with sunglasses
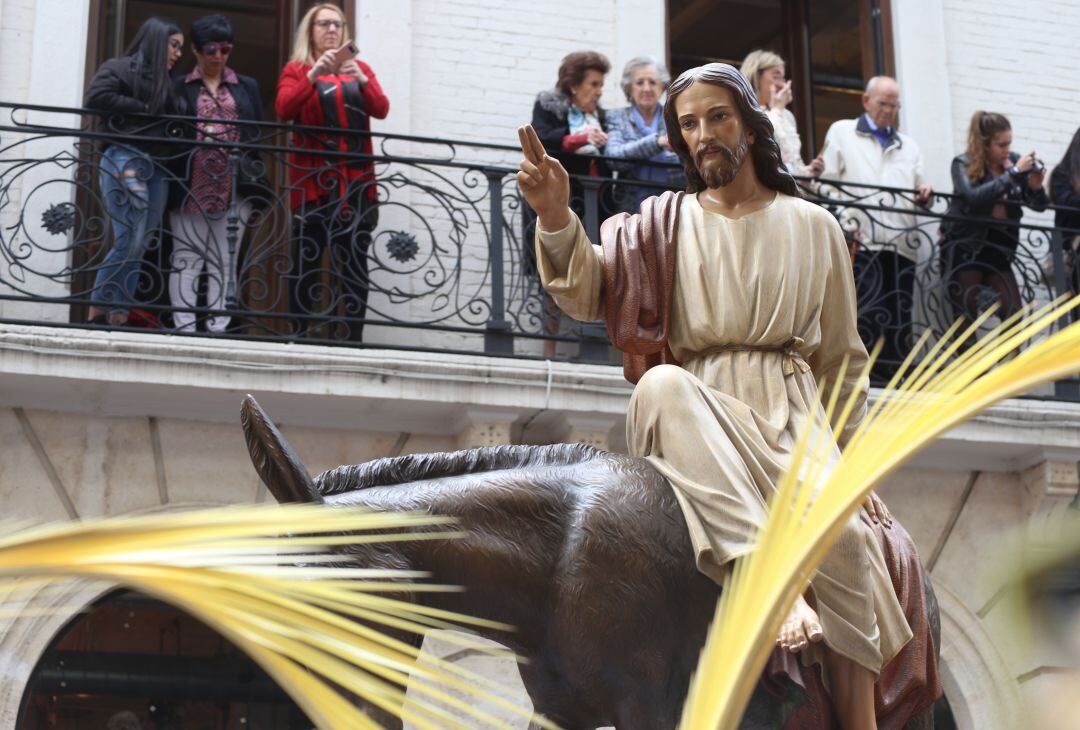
[[215, 93], [333, 196], [130, 91]]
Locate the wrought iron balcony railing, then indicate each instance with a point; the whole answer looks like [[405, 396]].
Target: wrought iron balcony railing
[[433, 251]]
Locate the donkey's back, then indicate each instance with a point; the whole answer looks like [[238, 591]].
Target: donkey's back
[[586, 553]]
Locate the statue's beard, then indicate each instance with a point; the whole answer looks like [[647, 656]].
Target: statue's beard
[[726, 166]]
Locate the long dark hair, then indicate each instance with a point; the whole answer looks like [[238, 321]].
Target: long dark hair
[[149, 54], [1070, 163], [765, 152]]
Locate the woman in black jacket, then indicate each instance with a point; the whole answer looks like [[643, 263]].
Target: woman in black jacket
[[1065, 193], [129, 91], [991, 183], [570, 122], [200, 222]]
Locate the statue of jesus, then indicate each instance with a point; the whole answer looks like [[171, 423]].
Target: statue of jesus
[[730, 302]]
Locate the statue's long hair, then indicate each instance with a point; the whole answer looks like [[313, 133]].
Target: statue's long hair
[[764, 151]]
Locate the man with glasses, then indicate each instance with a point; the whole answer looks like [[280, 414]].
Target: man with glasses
[[869, 150]]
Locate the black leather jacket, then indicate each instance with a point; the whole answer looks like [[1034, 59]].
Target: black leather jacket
[[977, 200], [112, 92], [1065, 195]]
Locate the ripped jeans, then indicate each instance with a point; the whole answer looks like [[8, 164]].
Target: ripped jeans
[[135, 192]]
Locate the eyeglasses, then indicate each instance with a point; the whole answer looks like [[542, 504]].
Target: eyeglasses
[[176, 45], [211, 49], [327, 24]]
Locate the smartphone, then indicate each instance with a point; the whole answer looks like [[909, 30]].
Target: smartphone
[[347, 51]]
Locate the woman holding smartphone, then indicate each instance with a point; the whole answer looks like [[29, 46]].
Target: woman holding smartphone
[[129, 91], [333, 196], [991, 186]]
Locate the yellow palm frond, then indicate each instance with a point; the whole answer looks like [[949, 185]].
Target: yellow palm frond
[[263, 577], [811, 506]]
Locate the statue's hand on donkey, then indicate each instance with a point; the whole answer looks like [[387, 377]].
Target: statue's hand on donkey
[[585, 552]]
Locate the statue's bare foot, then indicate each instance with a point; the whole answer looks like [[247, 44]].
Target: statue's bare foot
[[800, 628]]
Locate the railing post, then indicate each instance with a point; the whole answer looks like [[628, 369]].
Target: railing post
[[595, 346], [232, 229], [591, 190], [497, 339], [594, 340]]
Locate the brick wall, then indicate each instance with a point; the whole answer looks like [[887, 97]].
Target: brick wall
[[474, 68], [16, 47], [484, 62], [1020, 59], [41, 62], [471, 71]]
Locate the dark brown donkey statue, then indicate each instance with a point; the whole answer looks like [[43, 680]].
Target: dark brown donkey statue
[[587, 554]]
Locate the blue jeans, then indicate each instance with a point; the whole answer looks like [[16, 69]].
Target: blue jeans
[[135, 192]]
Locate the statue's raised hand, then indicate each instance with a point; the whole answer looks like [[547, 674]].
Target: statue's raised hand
[[543, 182]]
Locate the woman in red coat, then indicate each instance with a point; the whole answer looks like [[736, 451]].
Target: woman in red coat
[[332, 197]]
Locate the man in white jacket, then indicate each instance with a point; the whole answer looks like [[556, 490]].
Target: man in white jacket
[[869, 150]]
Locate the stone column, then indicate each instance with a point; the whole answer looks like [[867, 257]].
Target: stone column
[[1051, 486], [485, 427], [591, 430]]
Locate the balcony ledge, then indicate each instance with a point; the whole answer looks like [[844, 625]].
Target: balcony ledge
[[202, 379]]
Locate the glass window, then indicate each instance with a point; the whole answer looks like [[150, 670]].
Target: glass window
[[702, 32], [830, 46], [836, 62]]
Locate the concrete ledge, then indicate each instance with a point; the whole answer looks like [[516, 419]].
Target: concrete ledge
[[127, 374], [187, 377]]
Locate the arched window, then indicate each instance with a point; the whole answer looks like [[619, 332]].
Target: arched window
[[130, 662]]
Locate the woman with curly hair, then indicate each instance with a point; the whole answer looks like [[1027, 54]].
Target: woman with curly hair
[[570, 121], [572, 126]]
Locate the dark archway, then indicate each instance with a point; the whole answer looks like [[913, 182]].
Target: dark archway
[[144, 665]]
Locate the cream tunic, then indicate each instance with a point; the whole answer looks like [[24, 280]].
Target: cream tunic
[[723, 426]]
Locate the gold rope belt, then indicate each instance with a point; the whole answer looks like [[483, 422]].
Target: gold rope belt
[[793, 360]]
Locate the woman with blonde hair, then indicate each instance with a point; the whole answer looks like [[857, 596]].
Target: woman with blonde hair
[[990, 181], [333, 196], [765, 72]]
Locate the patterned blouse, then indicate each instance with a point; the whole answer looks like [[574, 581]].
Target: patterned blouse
[[211, 178]]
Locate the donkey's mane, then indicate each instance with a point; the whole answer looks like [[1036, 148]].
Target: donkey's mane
[[416, 467]]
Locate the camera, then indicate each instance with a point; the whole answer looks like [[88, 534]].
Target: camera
[[1037, 165]]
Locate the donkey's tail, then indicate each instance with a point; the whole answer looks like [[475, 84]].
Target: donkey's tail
[[276, 463]]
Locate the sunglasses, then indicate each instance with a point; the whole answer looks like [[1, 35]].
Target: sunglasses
[[211, 49], [176, 45]]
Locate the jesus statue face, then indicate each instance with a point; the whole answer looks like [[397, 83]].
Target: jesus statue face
[[714, 132]]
